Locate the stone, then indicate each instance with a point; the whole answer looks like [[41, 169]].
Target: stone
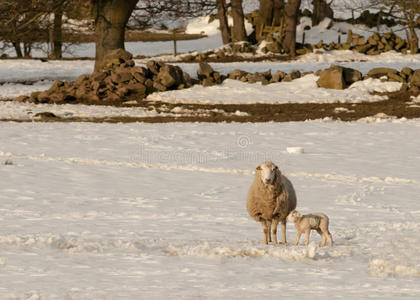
[[278, 76], [159, 87], [287, 78], [332, 78], [122, 91], [99, 76], [395, 77], [45, 115], [21, 99], [407, 71], [58, 98], [153, 66], [208, 82], [121, 76], [170, 75], [44, 97], [415, 79], [379, 72], [118, 54], [57, 85], [236, 74], [81, 79], [204, 71], [140, 70], [351, 76], [295, 75], [81, 92], [363, 48], [140, 78]]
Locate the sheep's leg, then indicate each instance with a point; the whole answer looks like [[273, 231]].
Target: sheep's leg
[[269, 232], [283, 231], [307, 233], [298, 238], [266, 230], [274, 230]]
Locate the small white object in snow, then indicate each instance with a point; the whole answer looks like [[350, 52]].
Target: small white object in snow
[[295, 150]]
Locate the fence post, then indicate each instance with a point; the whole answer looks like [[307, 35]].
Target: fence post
[[174, 38]]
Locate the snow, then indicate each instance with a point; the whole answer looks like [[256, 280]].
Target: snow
[[302, 90], [157, 211], [25, 111], [202, 25]]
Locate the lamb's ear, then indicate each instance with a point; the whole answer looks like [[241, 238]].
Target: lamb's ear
[[258, 168]]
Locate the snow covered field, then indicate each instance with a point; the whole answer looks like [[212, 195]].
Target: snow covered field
[[157, 211]]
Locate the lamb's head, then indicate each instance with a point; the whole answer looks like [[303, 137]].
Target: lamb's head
[[268, 172], [293, 216]]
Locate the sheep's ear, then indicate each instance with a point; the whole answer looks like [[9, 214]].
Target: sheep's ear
[[258, 168]]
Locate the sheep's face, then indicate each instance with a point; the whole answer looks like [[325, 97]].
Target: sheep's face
[[268, 172], [293, 216]]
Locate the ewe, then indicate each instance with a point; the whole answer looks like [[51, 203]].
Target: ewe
[[271, 198]]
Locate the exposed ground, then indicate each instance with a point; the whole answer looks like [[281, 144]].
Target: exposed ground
[[396, 106]]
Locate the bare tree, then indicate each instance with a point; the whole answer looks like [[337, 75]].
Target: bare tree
[[222, 9], [405, 12], [111, 18], [269, 15], [291, 13], [321, 10], [238, 30], [25, 23]]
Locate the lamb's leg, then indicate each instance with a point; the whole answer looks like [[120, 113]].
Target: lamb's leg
[[298, 238], [307, 233], [324, 238], [330, 241], [283, 231], [274, 230], [266, 230]]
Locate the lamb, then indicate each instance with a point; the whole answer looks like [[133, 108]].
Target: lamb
[[271, 198], [306, 223]]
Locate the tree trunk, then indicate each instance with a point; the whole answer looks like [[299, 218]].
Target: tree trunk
[[278, 6], [321, 11], [414, 40], [265, 17], [270, 14], [27, 48], [291, 12], [18, 49], [110, 21], [238, 29], [224, 27], [56, 42]]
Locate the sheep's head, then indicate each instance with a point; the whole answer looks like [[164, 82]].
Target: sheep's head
[[293, 216], [268, 172]]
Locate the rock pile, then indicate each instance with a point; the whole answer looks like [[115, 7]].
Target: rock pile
[[375, 44], [264, 77], [227, 50], [336, 77], [119, 81], [207, 76]]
